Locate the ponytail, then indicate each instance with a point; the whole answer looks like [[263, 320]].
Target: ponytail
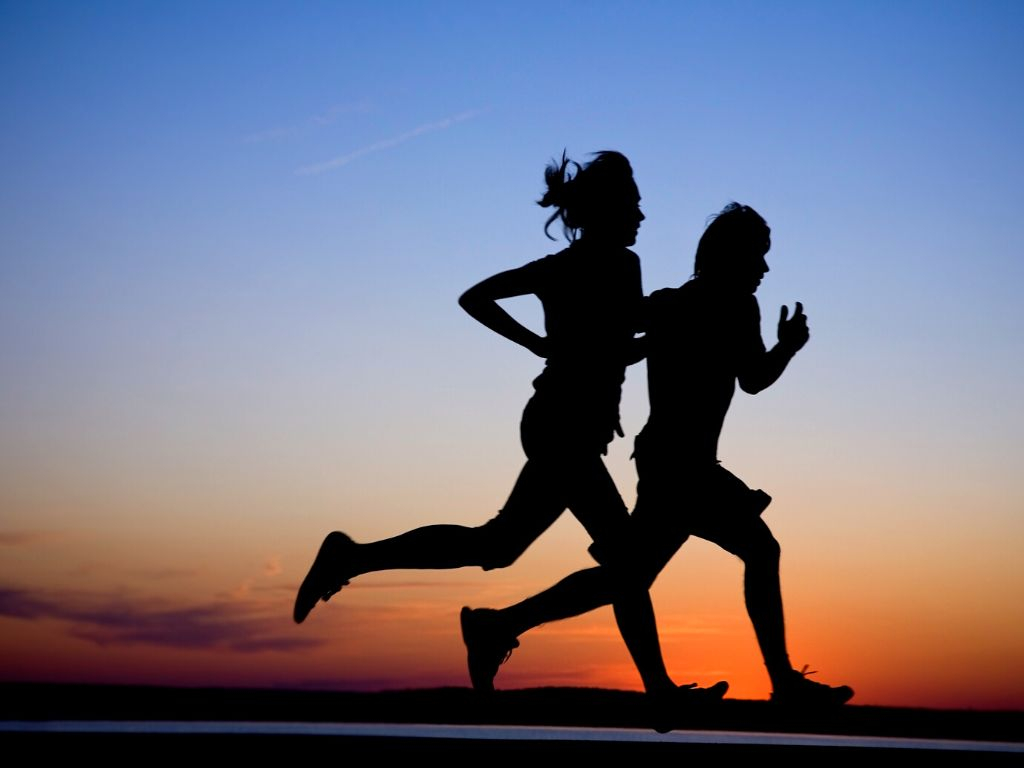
[[559, 195]]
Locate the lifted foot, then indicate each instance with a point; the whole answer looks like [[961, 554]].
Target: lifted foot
[[487, 648], [326, 576]]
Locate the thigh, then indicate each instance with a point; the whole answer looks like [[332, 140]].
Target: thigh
[[566, 470], [656, 532], [677, 499], [594, 499], [536, 501]]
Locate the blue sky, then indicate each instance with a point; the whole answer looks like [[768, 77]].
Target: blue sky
[[239, 181]]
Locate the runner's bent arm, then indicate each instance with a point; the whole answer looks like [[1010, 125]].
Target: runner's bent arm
[[762, 369], [481, 302]]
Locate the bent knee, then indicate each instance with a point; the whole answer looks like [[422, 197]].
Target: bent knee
[[631, 570], [764, 550], [497, 549], [633, 577]]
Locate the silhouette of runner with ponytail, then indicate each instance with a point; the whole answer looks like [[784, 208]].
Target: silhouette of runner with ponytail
[[591, 294]]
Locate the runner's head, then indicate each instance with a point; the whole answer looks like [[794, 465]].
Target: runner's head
[[601, 200], [732, 250]]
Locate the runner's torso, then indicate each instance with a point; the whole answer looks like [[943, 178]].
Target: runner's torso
[[698, 340], [591, 298]]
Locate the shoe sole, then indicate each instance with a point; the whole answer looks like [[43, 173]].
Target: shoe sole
[[479, 685], [833, 698], [686, 701]]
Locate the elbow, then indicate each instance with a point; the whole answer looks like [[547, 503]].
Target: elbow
[[751, 385], [636, 352], [469, 300]]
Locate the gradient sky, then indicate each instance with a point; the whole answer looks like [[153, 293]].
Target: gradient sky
[[232, 236]]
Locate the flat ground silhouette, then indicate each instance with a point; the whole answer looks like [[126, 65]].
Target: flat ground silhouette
[[30, 716]]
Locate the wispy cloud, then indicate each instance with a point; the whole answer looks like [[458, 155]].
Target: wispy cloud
[[165, 574], [326, 117], [378, 146], [111, 620], [105, 568], [30, 538], [273, 566], [241, 592], [421, 584], [281, 589]]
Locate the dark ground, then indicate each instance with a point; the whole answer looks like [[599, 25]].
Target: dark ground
[[566, 707]]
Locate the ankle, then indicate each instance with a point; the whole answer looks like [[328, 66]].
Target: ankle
[[658, 686], [783, 676]]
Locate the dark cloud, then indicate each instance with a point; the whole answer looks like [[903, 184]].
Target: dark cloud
[[110, 620], [20, 604]]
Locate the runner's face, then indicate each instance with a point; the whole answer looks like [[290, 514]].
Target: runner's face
[[619, 224], [752, 268], [632, 216]]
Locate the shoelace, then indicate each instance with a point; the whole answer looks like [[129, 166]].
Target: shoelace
[[803, 671], [332, 592]]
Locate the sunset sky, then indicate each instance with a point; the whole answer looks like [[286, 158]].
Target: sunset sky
[[232, 240]]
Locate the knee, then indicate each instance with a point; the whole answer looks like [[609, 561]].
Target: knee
[[629, 571], [633, 578], [497, 549], [765, 551]]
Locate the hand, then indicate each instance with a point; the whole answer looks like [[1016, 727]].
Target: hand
[[793, 331]]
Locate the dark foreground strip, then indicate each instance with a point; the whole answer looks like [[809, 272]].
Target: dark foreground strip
[[489, 738]]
